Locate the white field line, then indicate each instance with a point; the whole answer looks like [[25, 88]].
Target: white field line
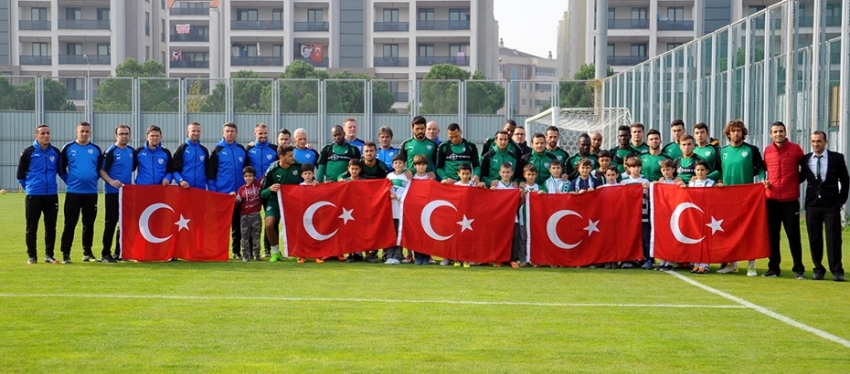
[[765, 311], [364, 300]]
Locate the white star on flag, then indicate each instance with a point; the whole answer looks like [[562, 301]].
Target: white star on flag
[[465, 224], [591, 227], [346, 215], [183, 223], [715, 225]]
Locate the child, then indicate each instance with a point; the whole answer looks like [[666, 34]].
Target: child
[[464, 172], [584, 182], [555, 184], [700, 179], [604, 159], [420, 164], [506, 173], [634, 167], [611, 178], [308, 174], [399, 181], [355, 165], [668, 170], [249, 197], [520, 234]]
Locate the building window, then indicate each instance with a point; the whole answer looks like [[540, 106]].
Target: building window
[[277, 50], [74, 84], [39, 14], [246, 14], [75, 49], [40, 49], [524, 86], [162, 31], [639, 49], [148, 24], [244, 50], [611, 13], [639, 13], [458, 50], [501, 70], [672, 46], [611, 50], [104, 49], [524, 103], [426, 50], [390, 51], [458, 14], [753, 9], [73, 13], [103, 14], [147, 53], [162, 56], [390, 15], [314, 16], [277, 14], [675, 14], [426, 14]]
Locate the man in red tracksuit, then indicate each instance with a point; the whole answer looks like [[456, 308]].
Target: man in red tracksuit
[[782, 161]]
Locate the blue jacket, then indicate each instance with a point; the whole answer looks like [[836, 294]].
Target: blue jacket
[[152, 166], [81, 167], [386, 155], [190, 164], [118, 164], [224, 168], [306, 156], [261, 156], [37, 170]]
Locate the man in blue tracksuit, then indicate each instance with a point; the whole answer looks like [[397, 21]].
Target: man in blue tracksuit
[[116, 172], [153, 161], [224, 175], [189, 164], [81, 162], [261, 155], [37, 171]]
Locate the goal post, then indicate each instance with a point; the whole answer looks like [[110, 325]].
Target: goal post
[[572, 122]]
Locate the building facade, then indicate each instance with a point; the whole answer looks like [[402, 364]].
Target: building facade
[[529, 79]]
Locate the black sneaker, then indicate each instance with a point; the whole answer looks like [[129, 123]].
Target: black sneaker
[[838, 277], [350, 258], [817, 276], [89, 258], [66, 259], [108, 259], [32, 261], [771, 274], [237, 256], [50, 260], [799, 275]]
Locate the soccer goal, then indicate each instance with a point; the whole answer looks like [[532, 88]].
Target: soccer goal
[[573, 122]]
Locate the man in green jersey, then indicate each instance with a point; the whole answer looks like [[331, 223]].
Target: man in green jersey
[[419, 145], [624, 150], [493, 160], [672, 149], [652, 160], [333, 160], [686, 165], [552, 137], [508, 127], [703, 147], [371, 167], [455, 152], [636, 131], [540, 158], [284, 171], [571, 166]]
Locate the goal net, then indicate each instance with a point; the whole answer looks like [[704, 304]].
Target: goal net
[[572, 122]]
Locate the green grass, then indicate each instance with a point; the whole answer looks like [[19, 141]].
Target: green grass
[[286, 317]]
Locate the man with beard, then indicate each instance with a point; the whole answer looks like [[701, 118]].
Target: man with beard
[[539, 157], [704, 148], [553, 135], [508, 127], [373, 168], [117, 171], [571, 166], [595, 142], [285, 171], [455, 152], [189, 163], [334, 158], [493, 160], [652, 160], [419, 144]]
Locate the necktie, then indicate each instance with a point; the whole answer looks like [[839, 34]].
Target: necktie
[[817, 168]]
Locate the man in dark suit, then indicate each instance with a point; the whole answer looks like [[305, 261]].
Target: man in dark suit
[[824, 171]]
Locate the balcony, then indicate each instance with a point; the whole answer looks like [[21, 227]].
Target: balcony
[[311, 26], [35, 60], [84, 60], [189, 11], [256, 25], [676, 25], [759, 23], [33, 25], [442, 25], [392, 26], [391, 61], [322, 64], [434, 60], [615, 24], [189, 64], [255, 61], [84, 24], [189, 38], [625, 60], [810, 21]]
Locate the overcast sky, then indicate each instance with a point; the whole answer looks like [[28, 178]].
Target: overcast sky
[[530, 25]]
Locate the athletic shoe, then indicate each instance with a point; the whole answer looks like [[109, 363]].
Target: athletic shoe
[[608, 266], [666, 267], [408, 259], [256, 258], [350, 258], [300, 260], [466, 264], [319, 261], [237, 256], [267, 254], [514, 265], [647, 265], [626, 265], [32, 261], [107, 259], [695, 270], [276, 257], [838, 277], [445, 262], [728, 269], [799, 275], [701, 271], [457, 264], [66, 259], [246, 259], [431, 261], [372, 260], [388, 262], [497, 265], [173, 259], [50, 260], [771, 274], [817, 276], [751, 271], [89, 258], [523, 264]]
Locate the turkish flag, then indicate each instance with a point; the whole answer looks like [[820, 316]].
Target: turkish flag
[[592, 228], [317, 54], [160, 223], [709, 225], [459, 222], [336, 218]]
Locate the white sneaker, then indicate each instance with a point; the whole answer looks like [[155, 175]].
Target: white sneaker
[[389, 261], [751, 271], [728, 269], [445, 262]]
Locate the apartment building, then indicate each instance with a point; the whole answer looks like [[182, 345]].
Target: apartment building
[[529, 79], [641, 29]]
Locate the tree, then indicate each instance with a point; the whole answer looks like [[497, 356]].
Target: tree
[[197, 96], [348, 96], [157, 95], [22, 96], [247, 94], [442, 97]]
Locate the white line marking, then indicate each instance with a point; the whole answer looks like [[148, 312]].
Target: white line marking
[[765, 311], [360, 300]]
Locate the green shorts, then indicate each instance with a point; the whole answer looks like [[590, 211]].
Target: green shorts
[[273, 210]]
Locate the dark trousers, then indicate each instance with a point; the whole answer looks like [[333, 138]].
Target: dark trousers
[[74, 204], [647, 232], [110, 223], [786, 213], [34, 207], [236, 230], [394, 252], [819, 218]]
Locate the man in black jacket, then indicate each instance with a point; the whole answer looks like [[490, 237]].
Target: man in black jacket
[[824, 171]]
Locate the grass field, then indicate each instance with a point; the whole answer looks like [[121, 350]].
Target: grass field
[[336, 317]]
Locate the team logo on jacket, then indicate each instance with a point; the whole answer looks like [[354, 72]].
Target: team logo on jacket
[[428, 146], [52, 158], [73, 153], [224, 153], [707, 153], [295, 172], [143, 154], [201, 157], [91, 151], [546, 165], [333, 157], [240, 159], [268, 157], [744, 154], [160, 160]]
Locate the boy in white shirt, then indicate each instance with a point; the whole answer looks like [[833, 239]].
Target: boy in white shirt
[[399, 181], [556, 184]]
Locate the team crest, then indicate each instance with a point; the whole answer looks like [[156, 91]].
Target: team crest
[[240, 159], [546, 164], [160, 160], [707, 153], [308, 156], [269, 157], [201, 157], [91, 151], [744, 153], [295, 172], [52, 159], [428, 146]]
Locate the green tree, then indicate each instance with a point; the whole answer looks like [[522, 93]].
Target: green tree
[[442, 97], [348, 96], [197, 96], [157, 95], [22, 96], [247, 94]]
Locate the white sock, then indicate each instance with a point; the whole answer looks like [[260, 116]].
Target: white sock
[[275, 249]]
